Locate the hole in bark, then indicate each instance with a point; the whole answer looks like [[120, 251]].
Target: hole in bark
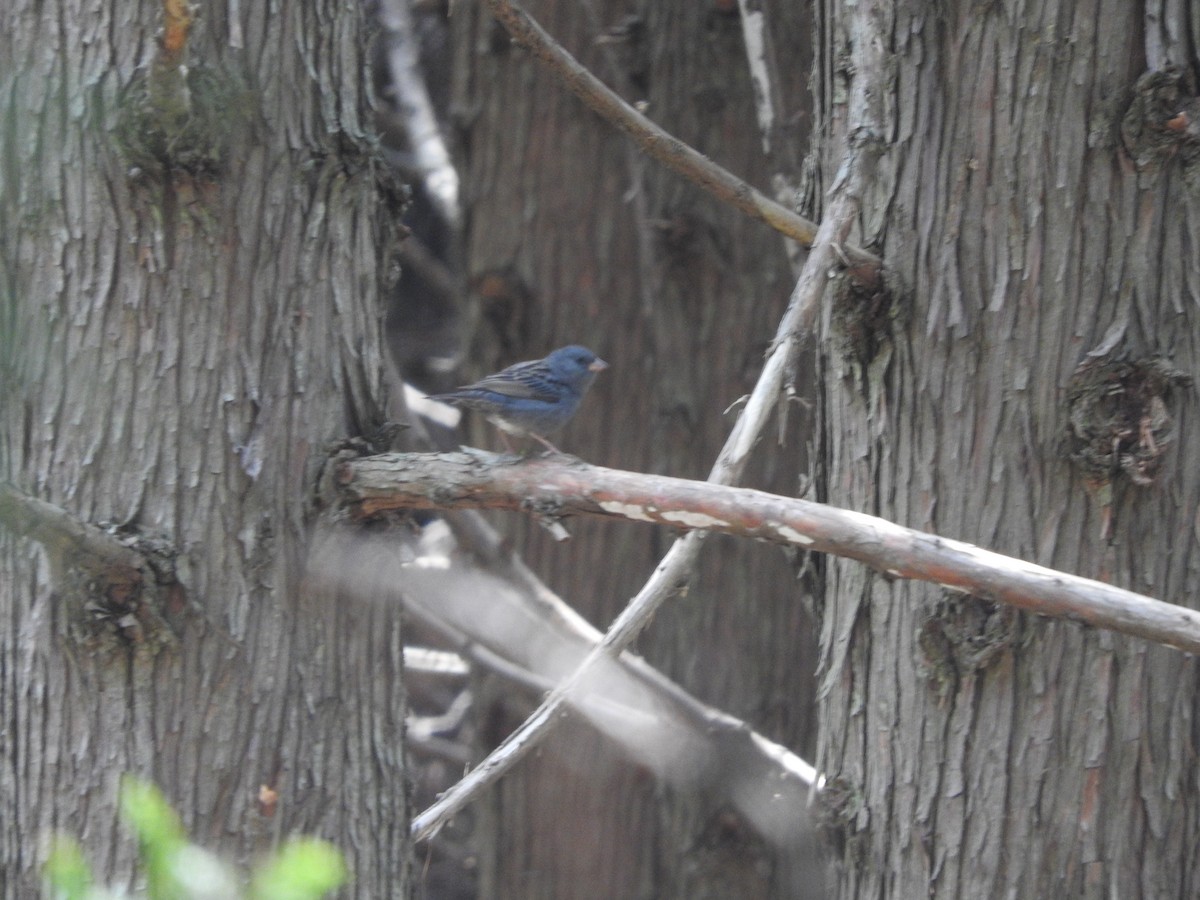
[[863, 317], [1163, 120], [181, 121], [1117, 417], [960, 635]]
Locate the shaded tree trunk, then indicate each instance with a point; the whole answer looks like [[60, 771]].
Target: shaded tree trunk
[[185, 334], [973, 752], [573, 237]]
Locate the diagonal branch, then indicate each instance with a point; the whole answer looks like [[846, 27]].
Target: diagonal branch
[[557, 486], [673, 571], [664, 147], [647, 717]]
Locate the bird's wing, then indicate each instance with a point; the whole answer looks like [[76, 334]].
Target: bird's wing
[[525, 381]]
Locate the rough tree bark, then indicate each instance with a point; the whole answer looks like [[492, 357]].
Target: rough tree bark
[[573, 237], [1031, 226], [185, 332]]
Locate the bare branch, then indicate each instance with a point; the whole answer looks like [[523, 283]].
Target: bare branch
[[664, 147], [667, 580], [672, 573], [565, 486]]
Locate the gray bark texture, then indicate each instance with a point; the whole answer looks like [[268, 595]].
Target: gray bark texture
[[574, 237], [1035, 214], [182, 341]]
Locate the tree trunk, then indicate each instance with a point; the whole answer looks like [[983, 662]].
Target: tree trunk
[[971, 751], [573, 237], [186, 330]]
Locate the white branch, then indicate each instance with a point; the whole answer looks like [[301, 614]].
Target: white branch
[[754, 35], [430, 156]]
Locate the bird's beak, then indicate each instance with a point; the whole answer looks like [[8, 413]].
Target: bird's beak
[[598, 365]]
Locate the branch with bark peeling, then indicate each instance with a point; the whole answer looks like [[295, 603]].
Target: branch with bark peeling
[[565, 486]]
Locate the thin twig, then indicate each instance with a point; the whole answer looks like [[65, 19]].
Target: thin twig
[[662, 146], [673, 571]]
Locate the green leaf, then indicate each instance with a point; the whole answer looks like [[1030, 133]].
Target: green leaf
[[303, 869], [67, 873], [146, 810], [159, 832]]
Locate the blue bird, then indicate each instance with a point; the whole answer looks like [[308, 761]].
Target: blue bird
[[533, 398]]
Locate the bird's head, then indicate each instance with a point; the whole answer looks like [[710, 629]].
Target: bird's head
[[576, 365]]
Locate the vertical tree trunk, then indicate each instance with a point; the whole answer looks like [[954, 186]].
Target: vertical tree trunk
[[573, 237], [973, 752], [184, 345]]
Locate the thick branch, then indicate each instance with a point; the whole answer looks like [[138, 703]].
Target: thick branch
[[65, 537], [558, 486], [662, 146]]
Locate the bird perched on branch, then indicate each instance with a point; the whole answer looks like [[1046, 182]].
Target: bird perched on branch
[[533, 398]]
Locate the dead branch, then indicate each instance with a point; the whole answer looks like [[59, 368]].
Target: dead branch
[[566, 486]]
